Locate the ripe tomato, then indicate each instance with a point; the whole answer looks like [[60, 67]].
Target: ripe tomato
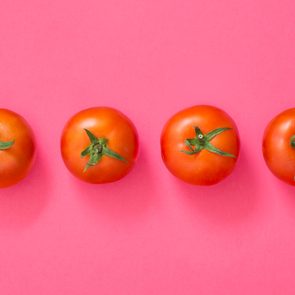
[[200, 145], [99, 145], [17, 148], [279, 146]]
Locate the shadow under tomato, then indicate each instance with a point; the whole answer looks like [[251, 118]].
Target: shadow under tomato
[[286, 194], [125, 199], [21, 204], [230, 201]]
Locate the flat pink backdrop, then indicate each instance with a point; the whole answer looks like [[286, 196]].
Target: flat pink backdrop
[[149, 233]]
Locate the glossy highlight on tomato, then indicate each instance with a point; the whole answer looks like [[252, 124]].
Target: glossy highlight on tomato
[[200, 145], [17, 148], [279, 146], [99, 145]]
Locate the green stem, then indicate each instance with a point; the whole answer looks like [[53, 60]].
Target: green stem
[[292, 141], [97, 149], [202, 142]]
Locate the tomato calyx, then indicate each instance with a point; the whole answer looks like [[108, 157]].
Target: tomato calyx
[[202, 142], [97, 149], [292, 141], [5, 145]]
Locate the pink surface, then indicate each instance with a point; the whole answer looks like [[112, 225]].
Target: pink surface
[[149, 233]]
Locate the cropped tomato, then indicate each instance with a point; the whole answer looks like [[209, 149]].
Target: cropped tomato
[[99, 145], [200, 145], [16, 148], [279, 146]]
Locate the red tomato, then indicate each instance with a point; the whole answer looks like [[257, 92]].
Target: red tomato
[[99, 145], [279, 146], [17, 148], [200, 145]]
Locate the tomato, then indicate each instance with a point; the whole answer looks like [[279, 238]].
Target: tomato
[[17, 148], [200, 145], [279, 146], [99, 145]]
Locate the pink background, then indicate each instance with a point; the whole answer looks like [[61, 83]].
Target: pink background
[[149, 233]]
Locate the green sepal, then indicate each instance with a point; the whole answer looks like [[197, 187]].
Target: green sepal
[[211, 148], [93, 160], [215, 132], [91, 136], [97, 149], [188, 142], [112, 154], [193, 150], [85, 152], [6, 145], [189, 152]]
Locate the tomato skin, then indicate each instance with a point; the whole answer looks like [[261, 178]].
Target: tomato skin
[[103, 122], [278, 153], [205, 167], [15, 162]]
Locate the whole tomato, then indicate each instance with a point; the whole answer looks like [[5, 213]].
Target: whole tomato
[[17, 148], [99, 145], [279, 146], [200, 145]]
